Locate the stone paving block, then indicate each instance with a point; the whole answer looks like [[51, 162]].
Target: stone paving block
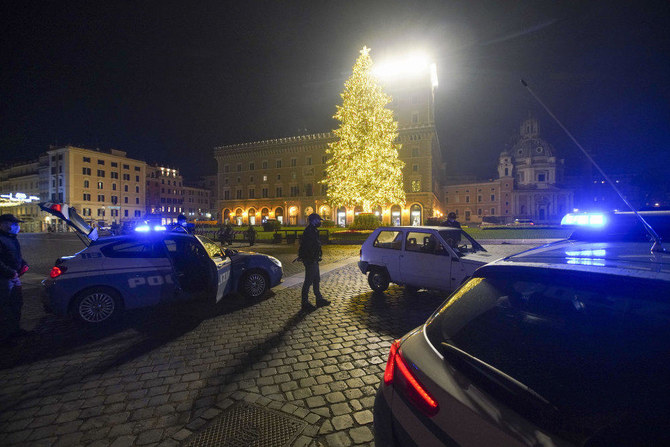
[[68, 440], [123, 441], [149, 437], [339, 439], [363, 417], [315, 401], [340, 408], [361, 434]]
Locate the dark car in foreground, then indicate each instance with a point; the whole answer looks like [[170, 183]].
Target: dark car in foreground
[[151, 266], [563, 345]]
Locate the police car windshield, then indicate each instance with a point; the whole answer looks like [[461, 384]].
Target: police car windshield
[[213, 250], [459, 239]]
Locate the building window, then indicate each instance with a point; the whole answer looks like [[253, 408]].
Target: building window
[[101, 212], [278, 164], [86, 171], [126, 177], [138, 213], [238, 194], [126, 166], [86, 184], [252, 194], [309, 161], [541, 177], [101, 197], [137, 169], [415, 168], [114, 164], [125, 200], [239, 167], [493, 211], [264, 193], [137, 189], [493, 197], [87, 159], [125, 213], [416, 185], [479, 212], [100, 185], [226, 195], [137, 178], [467, 199], [87, 197], [137, 200], [251, 166], [278, 192], [114, 199], [113, 175], [479, 198], [101, 162], [125, 188], [308, 189], [294, 191], [265, 164], [293, 162]]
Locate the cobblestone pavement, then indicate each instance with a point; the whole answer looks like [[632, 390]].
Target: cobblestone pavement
[[162, 375]]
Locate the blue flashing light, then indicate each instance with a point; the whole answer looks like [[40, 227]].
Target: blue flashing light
[[159, 228], [143, 228], [584, 219]]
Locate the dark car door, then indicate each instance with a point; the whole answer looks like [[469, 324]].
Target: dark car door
[[195, 271]]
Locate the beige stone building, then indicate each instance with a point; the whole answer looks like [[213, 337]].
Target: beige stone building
[[530, 185], [103, 186], [281, 178]]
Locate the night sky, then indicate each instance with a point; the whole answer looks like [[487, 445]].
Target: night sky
[[169, 81]]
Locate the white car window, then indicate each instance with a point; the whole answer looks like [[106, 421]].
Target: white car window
[[388, 239]]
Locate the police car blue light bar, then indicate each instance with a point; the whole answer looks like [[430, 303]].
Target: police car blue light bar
[[584, 219], [147, 228]]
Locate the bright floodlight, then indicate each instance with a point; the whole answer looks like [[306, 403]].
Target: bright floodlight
[[412, 65]]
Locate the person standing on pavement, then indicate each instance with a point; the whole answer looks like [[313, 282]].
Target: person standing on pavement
[[251, 234], [12, 266], [310, 255]]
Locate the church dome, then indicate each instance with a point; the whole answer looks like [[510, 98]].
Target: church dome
[[530, 145]]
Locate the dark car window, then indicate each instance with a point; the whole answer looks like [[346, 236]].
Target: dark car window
[[423, 243], [213, 249], [133, 249], [388, 239], [595, 346]]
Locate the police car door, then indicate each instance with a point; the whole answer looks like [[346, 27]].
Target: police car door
[[223, 266], [195, 272], [141, 269]]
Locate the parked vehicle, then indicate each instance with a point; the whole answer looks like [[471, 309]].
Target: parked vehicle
[[146, 268], [561, 345], [419, 257]]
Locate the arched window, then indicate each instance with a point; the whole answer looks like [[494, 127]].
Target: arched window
[[264, 215], [342, 216], [226, 216], [239, 216], [324, 212], [415, 215], [377, 211], [395, 215], [279, 214], [252, 216]]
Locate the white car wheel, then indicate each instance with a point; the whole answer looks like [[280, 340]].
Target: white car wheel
[[98, 305]]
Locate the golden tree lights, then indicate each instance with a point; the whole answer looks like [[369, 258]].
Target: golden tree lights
[[363, 168]]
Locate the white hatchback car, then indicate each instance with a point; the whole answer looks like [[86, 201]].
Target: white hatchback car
[[420, 257]]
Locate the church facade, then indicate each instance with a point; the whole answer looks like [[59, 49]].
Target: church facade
[[530, 185]]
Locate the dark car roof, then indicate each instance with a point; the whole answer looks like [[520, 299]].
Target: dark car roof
[[632, 259]]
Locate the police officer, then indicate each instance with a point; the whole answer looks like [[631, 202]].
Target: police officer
[[182, 223], [310, 255], [451, 221], [12, 266]]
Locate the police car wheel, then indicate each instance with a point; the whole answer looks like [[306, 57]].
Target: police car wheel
[[378, 280], [97, 305], [254, 284]]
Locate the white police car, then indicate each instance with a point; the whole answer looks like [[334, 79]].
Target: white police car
[[148, 267], [566, 344]]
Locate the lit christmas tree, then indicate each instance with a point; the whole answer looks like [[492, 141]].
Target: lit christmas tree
[[363, 168]]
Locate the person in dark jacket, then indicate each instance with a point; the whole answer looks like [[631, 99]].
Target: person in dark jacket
[[310, 255], [251, 234], [451, 221], [12, 266]]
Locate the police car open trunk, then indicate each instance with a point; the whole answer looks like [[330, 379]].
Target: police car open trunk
[[70, 216]]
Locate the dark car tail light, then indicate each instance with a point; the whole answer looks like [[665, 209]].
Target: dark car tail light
[[398, 374], [57, 271]]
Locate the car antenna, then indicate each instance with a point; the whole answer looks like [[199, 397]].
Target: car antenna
[[656, 247]]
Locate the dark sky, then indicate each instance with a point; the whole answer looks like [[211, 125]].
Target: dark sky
[[168, 81]]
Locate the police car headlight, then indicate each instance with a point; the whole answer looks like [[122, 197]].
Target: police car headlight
[[275, 261]]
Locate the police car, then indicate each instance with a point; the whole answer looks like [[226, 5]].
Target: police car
[[149, 267], [566, 344]]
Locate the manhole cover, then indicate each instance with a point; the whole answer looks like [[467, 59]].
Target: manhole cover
[[245, 424]]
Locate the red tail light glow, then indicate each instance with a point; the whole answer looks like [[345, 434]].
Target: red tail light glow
[[57, 271], [56, 207], [398, 373]]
